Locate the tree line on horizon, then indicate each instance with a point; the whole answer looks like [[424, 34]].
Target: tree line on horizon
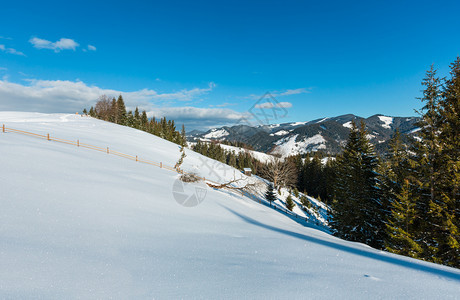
[[114, 110]]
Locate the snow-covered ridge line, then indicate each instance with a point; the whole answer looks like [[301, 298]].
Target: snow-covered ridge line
[[107, 150]]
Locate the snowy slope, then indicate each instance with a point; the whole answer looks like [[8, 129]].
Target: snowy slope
[[291, 146], [260, 156], [77, 223]]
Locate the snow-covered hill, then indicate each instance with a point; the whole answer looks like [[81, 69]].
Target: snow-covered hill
[[76, 223], [325, 134]]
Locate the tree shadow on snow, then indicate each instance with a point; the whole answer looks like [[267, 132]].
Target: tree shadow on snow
[[385, 257]]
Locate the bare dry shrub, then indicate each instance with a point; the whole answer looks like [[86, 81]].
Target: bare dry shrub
[[190, 177]]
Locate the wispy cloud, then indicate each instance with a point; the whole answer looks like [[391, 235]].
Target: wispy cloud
[[91, 48], [61, 44], [292, 92], [284, 93], [268, 105], [224, 104], [5, 38], [11, 50], [3, 69]]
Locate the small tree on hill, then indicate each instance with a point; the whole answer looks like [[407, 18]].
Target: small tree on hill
[[289, 203], [270, 194]]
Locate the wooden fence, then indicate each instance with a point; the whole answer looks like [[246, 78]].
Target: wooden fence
[[135, 158], [107, 150]]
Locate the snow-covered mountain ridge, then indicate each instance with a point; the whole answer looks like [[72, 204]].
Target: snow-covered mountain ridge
[[77, 223], [325, 134]]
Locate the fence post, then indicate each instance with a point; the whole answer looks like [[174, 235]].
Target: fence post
[[3, 127], [107, 150], [78, 143], [136, 158], [161, 164], [48, 136]]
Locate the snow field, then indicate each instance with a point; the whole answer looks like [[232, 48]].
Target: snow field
[[77, 223]]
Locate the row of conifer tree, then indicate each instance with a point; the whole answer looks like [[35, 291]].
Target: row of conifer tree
[[409, 201], [114, 110]]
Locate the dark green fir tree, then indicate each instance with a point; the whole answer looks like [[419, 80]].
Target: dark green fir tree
[[270, 195]]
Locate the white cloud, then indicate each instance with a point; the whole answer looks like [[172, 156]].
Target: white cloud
[[91, 48], [72, 96], [293, 92], [225, 104], [11, 50], [272, 105], [61, 44], [203, 118], [284, 93]]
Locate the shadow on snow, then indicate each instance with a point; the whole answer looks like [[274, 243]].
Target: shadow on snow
[[385, 257]]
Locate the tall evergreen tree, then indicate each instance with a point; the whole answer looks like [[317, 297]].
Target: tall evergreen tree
[[144, 121], [137, 119], [121, 111], [113, 116], [358, 208], [445, 209], [427, 159], [402, 238]]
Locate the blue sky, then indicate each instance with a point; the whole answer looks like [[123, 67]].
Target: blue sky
[[206, 63]]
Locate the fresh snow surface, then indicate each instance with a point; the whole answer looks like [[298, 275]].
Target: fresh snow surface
[[387, 121], [260, 156], [415, 130], [322, 120], [216, 134], [289, 146], [298, 123], [281, 132], [77, 223], [347, 124]]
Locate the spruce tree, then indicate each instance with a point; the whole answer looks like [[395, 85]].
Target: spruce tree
[[137, 119], [270, 195], [426, 172], [121, 111], [113, 115], [290, 203], [144, 121], [183, 137], [358, 208], [445, 209], [402, 237]]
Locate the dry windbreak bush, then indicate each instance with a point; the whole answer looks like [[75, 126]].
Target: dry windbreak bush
[[190, 177]]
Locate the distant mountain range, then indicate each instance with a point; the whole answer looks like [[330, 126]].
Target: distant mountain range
[[327, 134]]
